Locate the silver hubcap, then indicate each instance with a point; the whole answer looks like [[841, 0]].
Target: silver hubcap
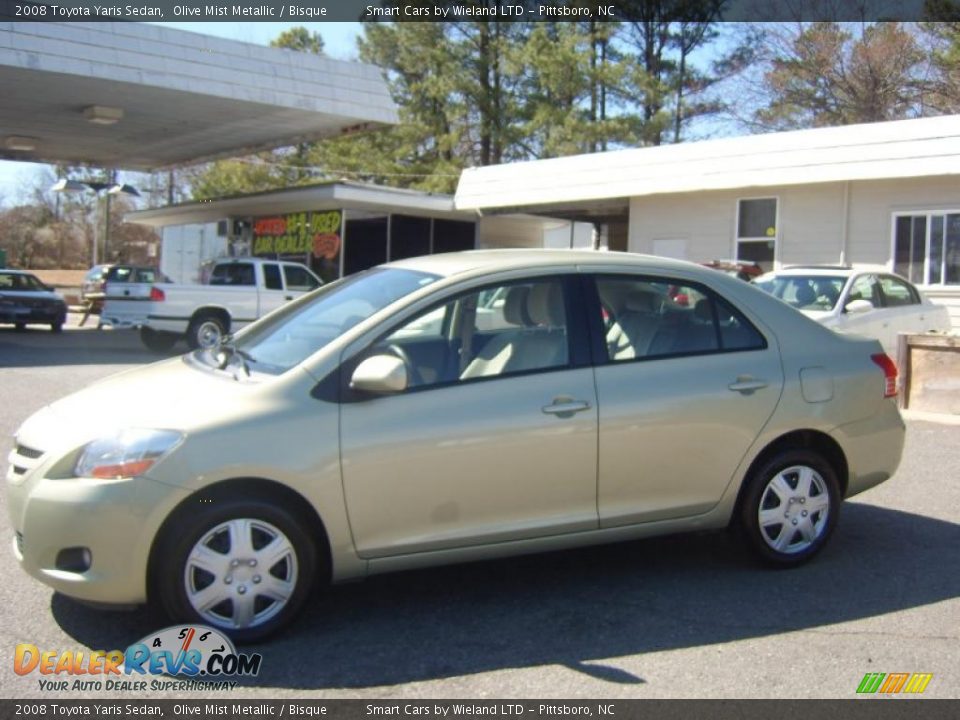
[[794, 507], [241, 573], [209, 335]]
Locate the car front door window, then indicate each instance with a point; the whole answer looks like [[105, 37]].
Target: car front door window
[[470, 338], [864, 288]]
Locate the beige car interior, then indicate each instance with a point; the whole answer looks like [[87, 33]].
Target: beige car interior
[[539, 340], [634, 328]]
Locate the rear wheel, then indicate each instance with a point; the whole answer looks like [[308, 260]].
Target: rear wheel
[[205, 332], [156, 340], [243, 566], [20, 327], [57, 326], [791, 507]]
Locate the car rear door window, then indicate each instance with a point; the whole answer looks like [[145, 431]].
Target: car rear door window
[[648, 318]]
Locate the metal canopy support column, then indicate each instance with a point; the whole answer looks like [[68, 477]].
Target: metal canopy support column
[[343, 239]]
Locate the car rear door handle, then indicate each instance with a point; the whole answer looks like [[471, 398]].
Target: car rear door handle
[[566, 406], [288, 297], [747, 384]]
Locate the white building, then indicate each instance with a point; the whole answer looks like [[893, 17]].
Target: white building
[[338, 228], [879, 194]]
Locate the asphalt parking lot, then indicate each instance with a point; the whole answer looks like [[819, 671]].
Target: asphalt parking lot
[[688, 616]]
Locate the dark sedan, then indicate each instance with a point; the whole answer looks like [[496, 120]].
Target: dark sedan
[[25, 300]]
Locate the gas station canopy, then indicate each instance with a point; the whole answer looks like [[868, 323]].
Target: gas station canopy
[[144, 97]]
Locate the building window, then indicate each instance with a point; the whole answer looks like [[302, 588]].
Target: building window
[[926, 247], [757, 231]]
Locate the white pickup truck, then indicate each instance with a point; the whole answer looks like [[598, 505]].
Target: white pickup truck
[[239, 291]]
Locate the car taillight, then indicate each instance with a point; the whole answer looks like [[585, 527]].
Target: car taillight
[[889, 368], [157, 295]]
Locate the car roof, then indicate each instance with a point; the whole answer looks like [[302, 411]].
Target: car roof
[[448, 264], [12, 271], [245, 260], [831, 270]]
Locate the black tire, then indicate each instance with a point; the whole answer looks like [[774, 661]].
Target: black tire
[[56, 327], [20, 327], [804, 530], [202, 328], [156, 340], [176, 579]]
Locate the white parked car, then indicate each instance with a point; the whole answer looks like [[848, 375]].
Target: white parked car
[[873, 303], [239, 291]]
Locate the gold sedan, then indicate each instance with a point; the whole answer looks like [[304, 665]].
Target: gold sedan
[[445, 409]]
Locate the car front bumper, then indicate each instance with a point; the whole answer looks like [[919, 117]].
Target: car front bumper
[[21, 314], [113, 521]]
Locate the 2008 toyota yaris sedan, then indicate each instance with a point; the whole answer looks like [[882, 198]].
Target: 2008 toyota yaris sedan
[[449, 408]]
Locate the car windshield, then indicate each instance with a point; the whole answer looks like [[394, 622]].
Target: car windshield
[[297, 331], [16, 281], [805, 292]]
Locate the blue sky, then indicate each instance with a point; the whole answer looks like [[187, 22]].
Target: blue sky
[[339, 40]]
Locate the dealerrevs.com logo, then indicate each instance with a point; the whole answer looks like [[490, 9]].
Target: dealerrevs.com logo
[[197, 657]]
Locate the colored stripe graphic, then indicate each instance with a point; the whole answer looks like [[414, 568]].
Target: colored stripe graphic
[[870, 682], [918, 682], [894, 683]]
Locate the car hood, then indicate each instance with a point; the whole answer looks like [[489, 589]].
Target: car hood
[[821, 316], [172, 394]]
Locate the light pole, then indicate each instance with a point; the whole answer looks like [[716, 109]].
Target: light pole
[[112, 187]]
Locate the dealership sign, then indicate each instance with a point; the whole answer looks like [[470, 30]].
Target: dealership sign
[[298, 234]]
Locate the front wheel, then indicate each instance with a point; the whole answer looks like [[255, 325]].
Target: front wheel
[[790, 507], [242, 566]]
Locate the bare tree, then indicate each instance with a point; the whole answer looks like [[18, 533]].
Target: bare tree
[[823, 74]]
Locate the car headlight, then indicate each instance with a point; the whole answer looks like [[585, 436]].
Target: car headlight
[[127, 454]]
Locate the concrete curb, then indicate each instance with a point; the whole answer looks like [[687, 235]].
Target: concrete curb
[[941, 418]]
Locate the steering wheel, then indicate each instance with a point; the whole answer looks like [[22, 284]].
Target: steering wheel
[[414, 374]]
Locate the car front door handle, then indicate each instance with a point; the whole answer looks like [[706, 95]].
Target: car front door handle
[[288, 297], [747, 384], [566, 406]]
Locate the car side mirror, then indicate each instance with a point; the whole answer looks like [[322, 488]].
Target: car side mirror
[[858, 307], [380, 374]]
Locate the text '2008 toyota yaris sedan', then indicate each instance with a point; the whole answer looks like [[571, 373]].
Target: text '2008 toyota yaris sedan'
[[449, 408]]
